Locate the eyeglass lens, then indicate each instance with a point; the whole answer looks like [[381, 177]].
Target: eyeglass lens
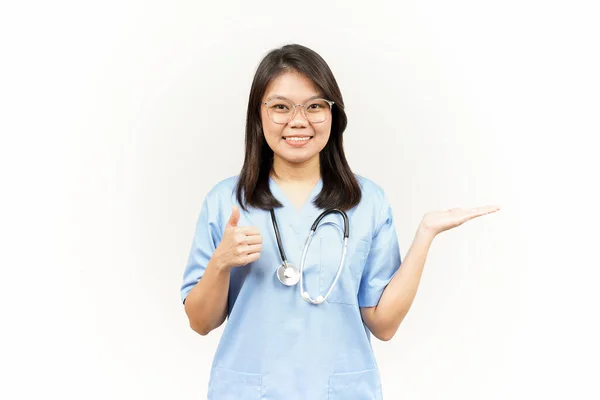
[[282, 111]]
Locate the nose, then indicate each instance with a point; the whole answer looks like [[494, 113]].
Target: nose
[[298, 119]]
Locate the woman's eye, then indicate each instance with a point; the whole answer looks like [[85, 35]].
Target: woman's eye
[[280, 107]]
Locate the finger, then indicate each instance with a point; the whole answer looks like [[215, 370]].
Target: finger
[[477, 211], [254, 248], [249, 230], [254, 239], [473, 213], [250, 258], [235, 217]]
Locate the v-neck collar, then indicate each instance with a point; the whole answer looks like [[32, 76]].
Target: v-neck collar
[[278, 192]]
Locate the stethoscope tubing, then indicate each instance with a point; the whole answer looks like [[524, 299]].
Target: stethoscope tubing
[[305, 295], [278, 237]]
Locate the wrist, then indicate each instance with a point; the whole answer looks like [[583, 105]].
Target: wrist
[[218, 265], [425, 232]]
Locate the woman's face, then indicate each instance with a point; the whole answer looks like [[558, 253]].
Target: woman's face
[[297, 141]]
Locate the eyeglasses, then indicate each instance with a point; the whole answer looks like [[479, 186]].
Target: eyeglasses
[[282, 111]]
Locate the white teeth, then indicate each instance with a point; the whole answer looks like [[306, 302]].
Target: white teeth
[[298, 139]]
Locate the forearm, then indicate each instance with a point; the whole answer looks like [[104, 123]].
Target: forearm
[[206, 304], [400, 292]]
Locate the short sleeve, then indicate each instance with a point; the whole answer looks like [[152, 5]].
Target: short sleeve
[[383, 259], [207, 236]]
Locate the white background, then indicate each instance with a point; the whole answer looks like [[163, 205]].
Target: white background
[[117, 117]]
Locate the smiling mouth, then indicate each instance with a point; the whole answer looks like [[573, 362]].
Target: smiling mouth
[[297, 139]]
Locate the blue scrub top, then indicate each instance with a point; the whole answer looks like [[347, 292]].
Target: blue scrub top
[[275, 345]]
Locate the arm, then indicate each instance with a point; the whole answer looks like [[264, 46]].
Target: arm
[[206, 304], [384, 319]]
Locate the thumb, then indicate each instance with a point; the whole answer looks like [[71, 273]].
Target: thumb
[[235, 217]]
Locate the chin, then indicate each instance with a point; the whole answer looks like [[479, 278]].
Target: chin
[[297, 158]]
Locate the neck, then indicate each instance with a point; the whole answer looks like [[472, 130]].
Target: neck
[[307, 171]]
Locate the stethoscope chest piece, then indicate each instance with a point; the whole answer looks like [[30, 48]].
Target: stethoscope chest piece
[[289, 275]]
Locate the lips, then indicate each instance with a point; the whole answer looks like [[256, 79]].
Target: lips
[[297, 141], [297, 138]]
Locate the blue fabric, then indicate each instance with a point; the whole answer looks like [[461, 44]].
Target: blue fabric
[[275, 345]]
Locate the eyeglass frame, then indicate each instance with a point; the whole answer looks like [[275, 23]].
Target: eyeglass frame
[[331, 103]]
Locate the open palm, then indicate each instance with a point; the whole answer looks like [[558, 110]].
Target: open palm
[[440, 221]]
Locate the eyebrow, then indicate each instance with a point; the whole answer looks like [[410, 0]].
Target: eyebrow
[[276, 96]]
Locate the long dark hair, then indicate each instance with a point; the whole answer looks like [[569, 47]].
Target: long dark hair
[[340, 187]]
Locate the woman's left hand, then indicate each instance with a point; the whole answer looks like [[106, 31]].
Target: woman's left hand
[[436, 222]]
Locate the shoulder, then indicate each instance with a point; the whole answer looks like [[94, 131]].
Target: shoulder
[[223, 190], [224, 186], [371, 190], [374, 208]]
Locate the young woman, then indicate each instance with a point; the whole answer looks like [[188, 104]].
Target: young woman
[[301, 311]]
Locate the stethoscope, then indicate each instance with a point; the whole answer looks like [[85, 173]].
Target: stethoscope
[[289, 275]]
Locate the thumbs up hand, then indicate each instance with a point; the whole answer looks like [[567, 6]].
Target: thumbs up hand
[[240, 245]]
